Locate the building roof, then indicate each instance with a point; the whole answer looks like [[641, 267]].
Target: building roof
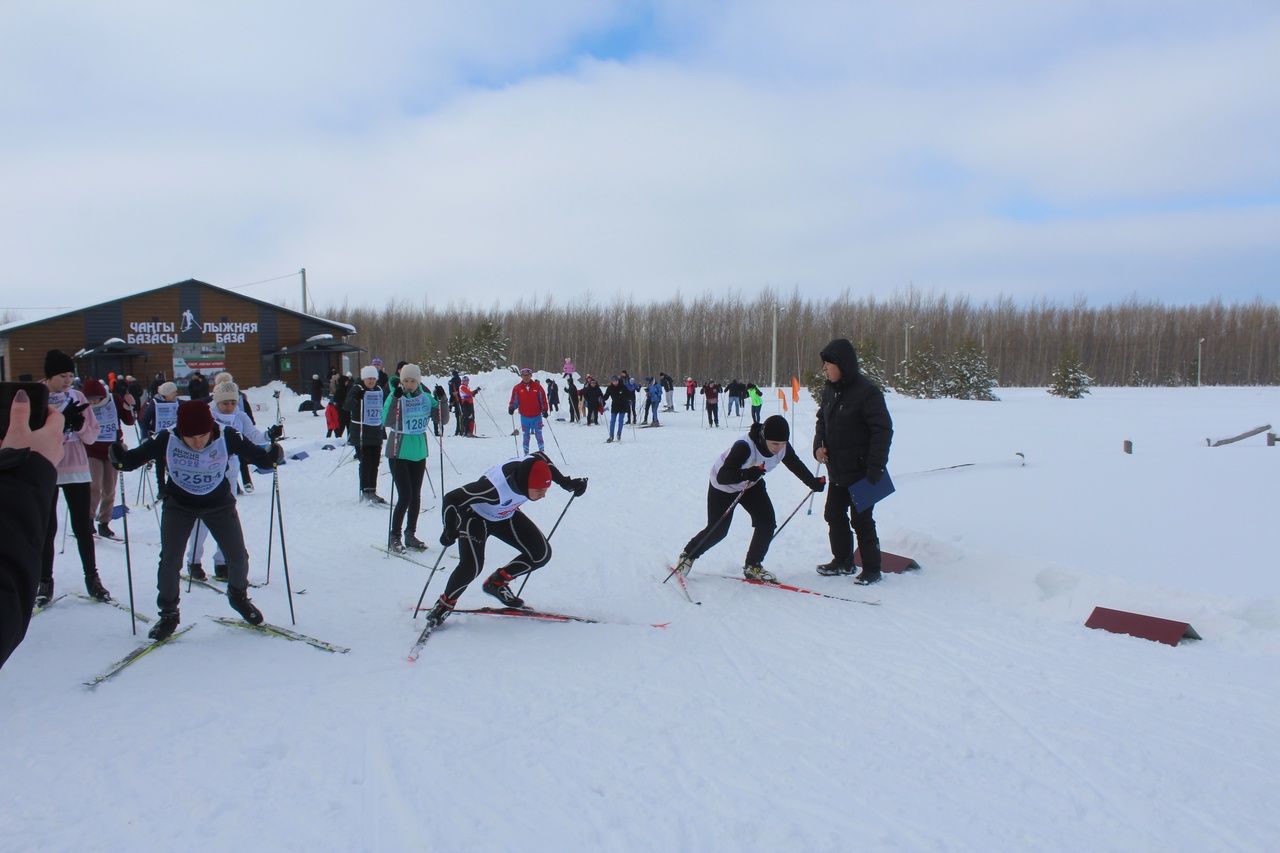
[[346, 328]]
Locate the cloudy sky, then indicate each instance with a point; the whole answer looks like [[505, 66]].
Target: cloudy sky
[[489, 151]]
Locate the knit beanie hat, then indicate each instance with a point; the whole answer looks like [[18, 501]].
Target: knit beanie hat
[[167, 389], [368, 372], [224, 376], [539, 475], [93, 388], [226, 391], [776, 428], [410, 371], [56, 361], [194, 418]]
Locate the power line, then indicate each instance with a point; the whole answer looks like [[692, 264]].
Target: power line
[[264, 281]]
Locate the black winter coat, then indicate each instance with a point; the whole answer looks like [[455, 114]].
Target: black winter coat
[[357, 433], [853, 420]]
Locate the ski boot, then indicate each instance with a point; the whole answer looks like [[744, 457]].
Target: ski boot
[[241, 604], [164, 628], [197, 572], [93, 585], [44, 593], [394, 544], [220, 572], [440, 612], [867, 577], [106, 532], [498, 586], [757, 572], [685, 565], [836, 567], [412, 542]]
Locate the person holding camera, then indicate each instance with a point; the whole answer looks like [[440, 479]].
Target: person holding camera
[[80, 428], [490, 506], [195, 453], [852, 439], [28, 492]]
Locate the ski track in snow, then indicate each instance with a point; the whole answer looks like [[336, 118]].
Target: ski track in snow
[[970, 711]]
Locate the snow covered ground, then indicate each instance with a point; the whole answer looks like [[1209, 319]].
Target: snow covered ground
[[972, 710]]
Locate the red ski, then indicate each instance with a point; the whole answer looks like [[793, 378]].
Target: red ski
[[789, 588]]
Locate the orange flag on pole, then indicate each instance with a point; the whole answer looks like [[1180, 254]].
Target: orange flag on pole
[[783, 397], [795, 390]]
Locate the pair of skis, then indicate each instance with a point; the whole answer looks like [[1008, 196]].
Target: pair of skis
[[683, 584], [519, 613], [37, 611], [264, 628]]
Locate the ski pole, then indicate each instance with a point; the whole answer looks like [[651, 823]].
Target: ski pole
[[549, 535], [812, 495], [391, 510], [711, 528], [418, 607], [271, 527], [66, 522], [194, 539], [556, 440], [514, 432], [128, 562], [284, 554], [427, 469], [789, 517]]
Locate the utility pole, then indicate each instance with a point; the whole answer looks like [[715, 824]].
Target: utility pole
[[303, 272], [1199, 361]]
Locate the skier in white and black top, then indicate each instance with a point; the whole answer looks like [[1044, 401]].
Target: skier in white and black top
[[196, 453], [226, 410], [739, 474], [491, 507]]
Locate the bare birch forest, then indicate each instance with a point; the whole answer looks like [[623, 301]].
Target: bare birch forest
[[731, 335]]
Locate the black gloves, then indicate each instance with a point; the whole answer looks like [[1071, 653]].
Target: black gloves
[[399, 391], [821, 485], [578, 485], [114, 452], [874, 473], [73, 415], [275, 431], [511, 410], [750, 475]]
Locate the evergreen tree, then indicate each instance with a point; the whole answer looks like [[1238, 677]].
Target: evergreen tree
[[920, 376], [871, 363], [1069, 378], [817, 381], [968, 374]]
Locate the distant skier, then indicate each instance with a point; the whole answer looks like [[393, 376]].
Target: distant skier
[[531, 400], [490, 506], [738, 474], [619, 407], [365, 432], [406, 415]]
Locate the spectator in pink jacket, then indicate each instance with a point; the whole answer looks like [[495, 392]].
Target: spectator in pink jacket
[[80, 428]]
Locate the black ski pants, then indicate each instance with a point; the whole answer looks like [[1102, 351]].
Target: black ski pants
[[713, 414], [532, 549], [573, 408], [369, 456], [81, 518], [755, 501], [176, 523], [408, 478], [837, 512]]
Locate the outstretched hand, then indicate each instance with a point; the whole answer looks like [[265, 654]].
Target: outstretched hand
[[47, 441]]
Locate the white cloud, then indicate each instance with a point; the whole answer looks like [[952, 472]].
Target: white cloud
[[828, 146]]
